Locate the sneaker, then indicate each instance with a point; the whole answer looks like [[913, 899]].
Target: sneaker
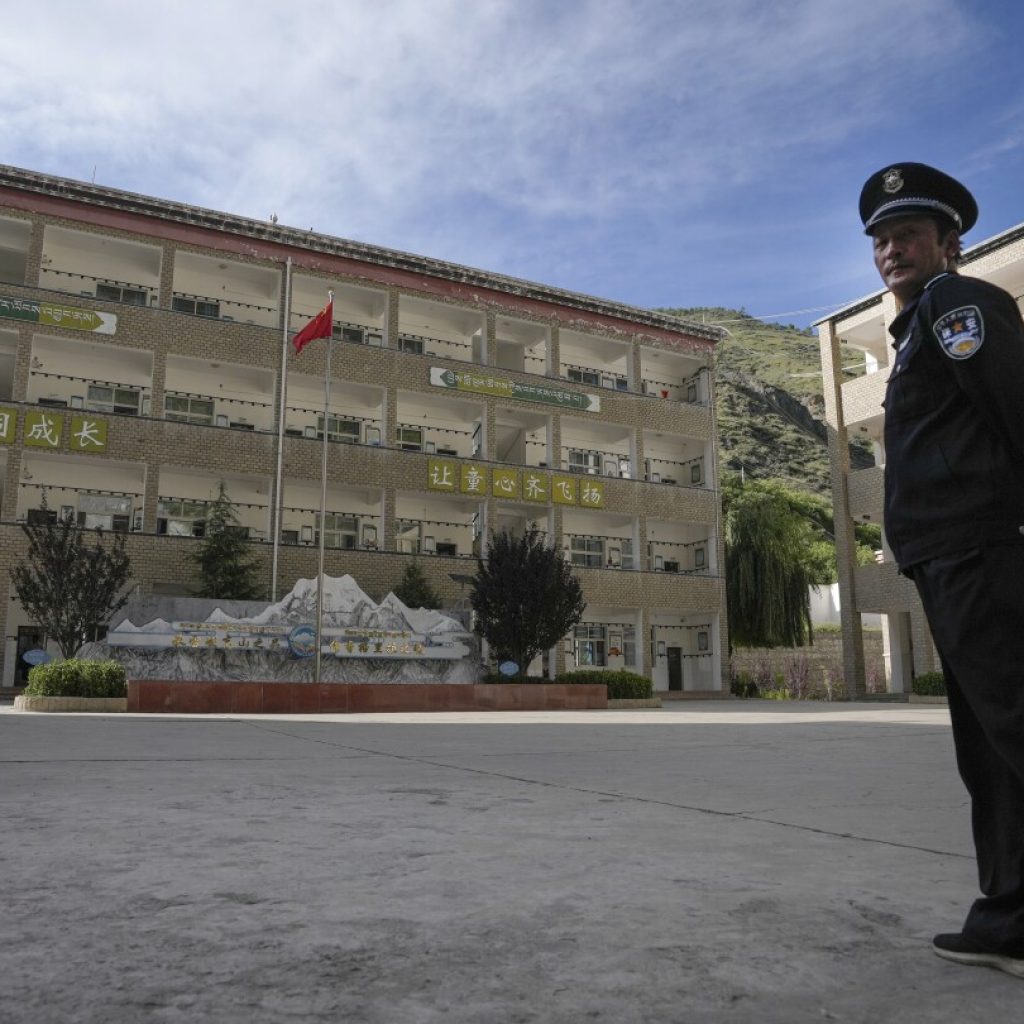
[[953, 946]]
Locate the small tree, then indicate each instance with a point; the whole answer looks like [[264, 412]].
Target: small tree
[[225, 566], [71, 588], [414, 590], [525, 597]]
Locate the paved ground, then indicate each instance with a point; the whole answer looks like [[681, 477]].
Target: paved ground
[[733, 862]]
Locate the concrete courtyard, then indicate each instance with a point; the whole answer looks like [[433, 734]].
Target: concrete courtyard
[[733, 862]]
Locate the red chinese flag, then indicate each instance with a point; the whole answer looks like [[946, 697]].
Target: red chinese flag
[[321, 326]]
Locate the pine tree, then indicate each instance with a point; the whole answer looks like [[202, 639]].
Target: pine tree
[[226, 568], [525, 597], [414, 590], [68, 587]]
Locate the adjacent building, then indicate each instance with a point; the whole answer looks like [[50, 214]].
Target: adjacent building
[[856, 355], [144, 360]]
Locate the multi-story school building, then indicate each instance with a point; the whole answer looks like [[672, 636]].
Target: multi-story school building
[[144, 360]]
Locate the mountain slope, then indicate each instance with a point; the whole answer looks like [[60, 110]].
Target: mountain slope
[[770, 404]]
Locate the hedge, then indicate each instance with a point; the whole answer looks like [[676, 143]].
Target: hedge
[[75, 678], [622, 685], [929, 684]]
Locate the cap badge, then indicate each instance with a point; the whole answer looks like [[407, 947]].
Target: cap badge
[[892, 180]]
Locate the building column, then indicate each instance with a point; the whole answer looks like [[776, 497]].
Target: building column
[[34, 256], [491, 339], [167, 276], [897, 652], [846, 543], [554, 353]]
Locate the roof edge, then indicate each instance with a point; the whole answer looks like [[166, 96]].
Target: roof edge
[[149, 206]]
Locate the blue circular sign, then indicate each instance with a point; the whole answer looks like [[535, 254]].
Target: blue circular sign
[[302, 641], [508, 668], [37, 657]]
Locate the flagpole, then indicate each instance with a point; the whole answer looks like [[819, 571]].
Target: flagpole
[[281, 414], [323, 500]]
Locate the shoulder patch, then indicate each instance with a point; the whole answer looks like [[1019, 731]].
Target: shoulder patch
[[960, 332]]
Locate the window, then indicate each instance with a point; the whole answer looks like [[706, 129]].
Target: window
[[339, 429], [589, 645], [629, 645], [41, 516], [408, 344], [691, 391], [354, 335], [122, 293], [178, 518], [185, 409], [447, 548], [408, 536], [627, 554], [621, 384], [584, 462], [586, 551], [105, 511], [581, 376], [124, 401], [699, 558], [340, 531], [410, 438], [289, 536], [197, 307], [696, 472]]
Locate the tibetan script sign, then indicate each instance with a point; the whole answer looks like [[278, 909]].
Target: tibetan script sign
[[499, 387], [49, 314]]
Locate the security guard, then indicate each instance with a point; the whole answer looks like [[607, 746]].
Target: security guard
[[954, 515]]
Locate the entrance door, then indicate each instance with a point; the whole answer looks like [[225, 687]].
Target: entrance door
[[29, 638], [675, 667]]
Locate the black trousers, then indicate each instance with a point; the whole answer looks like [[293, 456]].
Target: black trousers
[[974, 601]]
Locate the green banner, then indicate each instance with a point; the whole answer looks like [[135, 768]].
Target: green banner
[[499, 387], [49, 314]]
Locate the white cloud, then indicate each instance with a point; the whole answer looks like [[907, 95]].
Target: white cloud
[[467, 128]]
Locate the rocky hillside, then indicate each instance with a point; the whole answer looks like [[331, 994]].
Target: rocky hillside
[[770, 404]]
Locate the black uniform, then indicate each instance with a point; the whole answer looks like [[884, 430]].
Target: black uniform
[[954, 518]]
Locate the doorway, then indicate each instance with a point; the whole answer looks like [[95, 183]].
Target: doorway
[[29, 638], [675, 667]]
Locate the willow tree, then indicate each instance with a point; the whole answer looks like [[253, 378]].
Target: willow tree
[[769, 568]]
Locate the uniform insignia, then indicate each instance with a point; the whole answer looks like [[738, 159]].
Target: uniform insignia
[[960, 332], [892, 180]]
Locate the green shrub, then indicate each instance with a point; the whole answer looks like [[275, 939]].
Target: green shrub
[[622, 685], [743, 685], [930, 684], [74, 678]]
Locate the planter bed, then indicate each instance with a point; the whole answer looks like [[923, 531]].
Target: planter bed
[[231, 697], [102, 705]]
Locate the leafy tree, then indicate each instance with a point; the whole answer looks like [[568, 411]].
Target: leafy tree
[[768, 568], [525, 597], [226, 568], [414, 590], [67, 586]]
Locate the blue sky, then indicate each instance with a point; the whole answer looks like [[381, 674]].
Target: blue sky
[[680, 153]]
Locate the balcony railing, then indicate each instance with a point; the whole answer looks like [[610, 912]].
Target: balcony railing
[[106, 289]]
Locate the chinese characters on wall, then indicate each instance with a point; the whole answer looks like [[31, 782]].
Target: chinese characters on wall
[[514, 484], [44, 429]]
